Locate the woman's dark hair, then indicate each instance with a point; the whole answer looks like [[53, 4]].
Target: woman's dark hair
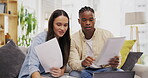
[[86, 8], [64, 41]]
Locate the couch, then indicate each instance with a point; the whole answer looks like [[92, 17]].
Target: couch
[[13, 56], [141, 71], [10, 65]]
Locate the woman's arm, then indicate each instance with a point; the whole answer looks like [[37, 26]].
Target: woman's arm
[[35, 75], [33, 61]]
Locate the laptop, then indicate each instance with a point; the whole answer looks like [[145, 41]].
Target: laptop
[[114, 74]]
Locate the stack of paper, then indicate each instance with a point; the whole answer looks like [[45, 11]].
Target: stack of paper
[[49, 54]]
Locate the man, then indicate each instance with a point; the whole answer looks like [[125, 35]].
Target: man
[[86, 45]]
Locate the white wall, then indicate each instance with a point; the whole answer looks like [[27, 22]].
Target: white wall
[[31, 5], [110, 16]]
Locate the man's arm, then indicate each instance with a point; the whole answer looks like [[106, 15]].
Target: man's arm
[[75, 57]]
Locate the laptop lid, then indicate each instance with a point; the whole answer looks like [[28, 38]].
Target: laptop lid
[[114, 74]]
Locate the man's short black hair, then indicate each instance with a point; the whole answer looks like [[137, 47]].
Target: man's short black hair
[[86, 8]]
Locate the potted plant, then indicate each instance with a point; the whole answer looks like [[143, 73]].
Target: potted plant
[[27, 25]]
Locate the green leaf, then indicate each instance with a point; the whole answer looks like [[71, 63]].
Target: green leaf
[[28, 25]]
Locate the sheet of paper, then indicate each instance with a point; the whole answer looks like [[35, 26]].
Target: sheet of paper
[[111, 48], [49, 54]]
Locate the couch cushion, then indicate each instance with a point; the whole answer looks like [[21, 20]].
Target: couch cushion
[[128, 44], [11, 59], [23, 49], [131, 60]]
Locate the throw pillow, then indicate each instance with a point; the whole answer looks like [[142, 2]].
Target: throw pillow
[[127, 46], [131, 60], [11, 59]]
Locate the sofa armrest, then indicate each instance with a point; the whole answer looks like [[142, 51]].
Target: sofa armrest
[[141, 70]]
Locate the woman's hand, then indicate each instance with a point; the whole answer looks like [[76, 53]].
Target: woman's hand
[[56, 72], [114, 62], [35, 75]]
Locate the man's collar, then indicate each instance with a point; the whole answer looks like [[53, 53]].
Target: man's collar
[[83, 36]]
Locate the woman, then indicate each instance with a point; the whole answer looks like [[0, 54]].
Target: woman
[[58, 26]]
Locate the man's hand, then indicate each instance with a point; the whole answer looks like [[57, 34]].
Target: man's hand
[[114, 62], [87, 61]]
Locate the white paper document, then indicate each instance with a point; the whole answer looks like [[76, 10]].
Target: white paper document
[[111, 48], [49, 54]]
